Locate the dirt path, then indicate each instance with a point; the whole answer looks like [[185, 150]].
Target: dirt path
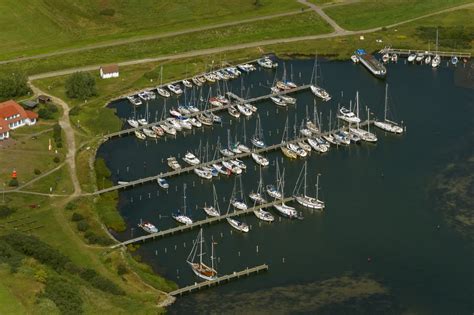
[[210, 51], [149, 37], [318, 10], [65, 124]]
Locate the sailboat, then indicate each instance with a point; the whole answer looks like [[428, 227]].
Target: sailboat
[[281, 207], [199, 268], [318, 91], [302, 198], [258, 199], [284, 148], [386, 124], [238, 201], [365, 135], [257, 139], [183, 218], [435, 62], [161, 90], [213, 211], [272, 190]]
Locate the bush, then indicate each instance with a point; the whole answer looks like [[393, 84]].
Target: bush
[[107, 12], [93, 238], [13, 182], [32, 246], [6, 211], [121, 269], [77, 217], [82, 225], [80, 85], [13, 85], [56, 159], [64, 294], [100, 282], [74, 111], [47, 111], [10, 256], [71, 205], [37, 171], [57, 135]]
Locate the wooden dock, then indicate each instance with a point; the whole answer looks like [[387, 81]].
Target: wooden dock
[[190, 168], [210, 110], [200, 223], [406, 52], [220, 280]]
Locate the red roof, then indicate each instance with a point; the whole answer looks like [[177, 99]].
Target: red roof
[[110, 69], [10, 108]]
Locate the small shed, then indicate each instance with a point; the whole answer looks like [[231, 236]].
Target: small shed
[[43, 99], [110, 71], [29, 104]]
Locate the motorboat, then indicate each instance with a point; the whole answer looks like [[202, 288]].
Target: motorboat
[[320, 92], [278, 101], [149, 133], [148, 227], [140, 135], [134, 100], [394, 58], [354, 59], [234, 112], [436, 61], [163, 183], [206, 174], [173, 163], [260, 159], [175, 88], [142, 121], [454, 60], [187, 83], [238, 225], [385, 57], [297, 149], [267, 63], [191, 159], [411, 57], [347, 115], [133, 123], [419, 57], [257, 142], [144, 96], [163, 92], [158, 130], [288, 99], [244, 110]]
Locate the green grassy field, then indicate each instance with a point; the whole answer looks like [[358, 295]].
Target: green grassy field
[[305, 24], [37, 26], [368, 14]]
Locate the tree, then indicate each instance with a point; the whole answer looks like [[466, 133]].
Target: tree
[[81, 85], [13, 85]]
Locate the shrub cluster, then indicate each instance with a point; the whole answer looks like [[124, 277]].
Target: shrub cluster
[[6, 211], [57, 136], [64, 294], [80, 85], [100, 282], [47, 111], [13, 85]]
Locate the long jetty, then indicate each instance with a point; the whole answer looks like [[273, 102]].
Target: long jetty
[[225, 278], [406, 52], [210, 110], [217, 161], [199, 223]]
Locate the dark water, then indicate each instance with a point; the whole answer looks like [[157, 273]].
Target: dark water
[[377, 199]]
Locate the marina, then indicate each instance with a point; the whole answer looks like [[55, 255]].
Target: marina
[[378, 166]]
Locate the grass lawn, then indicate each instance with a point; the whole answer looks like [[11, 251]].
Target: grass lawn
[[8, 303], [369, 13], [38, 26], [308, 23], [26, 151]]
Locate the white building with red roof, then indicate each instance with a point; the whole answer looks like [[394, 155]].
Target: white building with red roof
[[13, 116]]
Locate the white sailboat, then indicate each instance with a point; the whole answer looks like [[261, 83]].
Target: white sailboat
[[213, 210], [386, 124], [199, 268], [282, 207], [302, 198], [178, 216], [317, 90], [365, 135], [258, 199], [257, 139], [237, 198]]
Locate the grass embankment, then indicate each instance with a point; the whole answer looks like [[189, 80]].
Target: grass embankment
[[75, 232], [368, 14], [38, 26], [308, 23]]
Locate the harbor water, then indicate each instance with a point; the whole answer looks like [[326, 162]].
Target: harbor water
[[380, 246]]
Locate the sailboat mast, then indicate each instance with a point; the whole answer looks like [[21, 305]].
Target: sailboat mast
[[317, 187], [386, 103], [212, 253], [184, 198], [200, 249], [305, 170]]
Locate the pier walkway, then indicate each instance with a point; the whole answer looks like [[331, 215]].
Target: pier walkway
[[190, 168], [210, 110], [225, 278], [406, 52], [200, 223]]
